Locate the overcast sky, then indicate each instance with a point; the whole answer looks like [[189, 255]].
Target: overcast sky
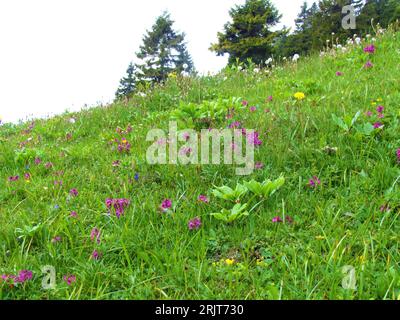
[[61, 54]]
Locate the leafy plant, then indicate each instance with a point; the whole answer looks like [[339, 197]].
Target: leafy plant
[[347, 123], [235, 213], [227, 193], [266, 188]]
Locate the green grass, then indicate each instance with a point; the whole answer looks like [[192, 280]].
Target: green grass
[[149, 255]]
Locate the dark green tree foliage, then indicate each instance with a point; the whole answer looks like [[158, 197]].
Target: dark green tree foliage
[[163, 52], [384, 12], [249, 34], [128, 83]]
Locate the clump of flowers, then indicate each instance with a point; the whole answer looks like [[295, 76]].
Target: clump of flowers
[[73, 214], [165, 205], [253, 109], [74, 192], [339, 73], [378, 125], [56, 239], [123, 146], [194, 224], [259, 165], [254, 138], [13, 178], [203, 198], [398, 155], [368, 65], [95, 235], [314, 182], [278, 219], [22, 277], [69, 279], [119, 205], [95, 255], [299, 96], [369, 49], [235, 125]]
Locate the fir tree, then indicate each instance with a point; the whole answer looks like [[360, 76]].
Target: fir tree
[[163, 52], [127, 84], [249, 35]]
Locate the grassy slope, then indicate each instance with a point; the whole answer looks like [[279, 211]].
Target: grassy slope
[[149, 255]]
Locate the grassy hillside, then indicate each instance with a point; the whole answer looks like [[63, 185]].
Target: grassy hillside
[[339, 206]]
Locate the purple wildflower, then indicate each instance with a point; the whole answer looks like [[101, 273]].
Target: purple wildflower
[[13, 178], [73, 192], [23, 276], [398, 155], [235, 125], [259, 165], [203, 198], [339, 73], [369, 49], [73, 214], [69, 279], [95, 255], [119, 205], [314, 182], [378, 125], [165, 205], [95, 235], [56, 239], [254, 138], [194, 224], [277, 220], [253, 109], [368, 65]]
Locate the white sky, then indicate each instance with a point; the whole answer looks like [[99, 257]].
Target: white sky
[[61, 54]]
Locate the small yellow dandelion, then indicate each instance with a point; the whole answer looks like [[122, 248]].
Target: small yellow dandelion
[[320, 238], [229, 262], [299, 96]]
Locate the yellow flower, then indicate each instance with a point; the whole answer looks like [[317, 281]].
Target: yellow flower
[[172, 75], [379, 100], [229, 262], [320, 237], [299, 95]]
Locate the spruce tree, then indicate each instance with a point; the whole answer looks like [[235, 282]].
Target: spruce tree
[[128, 83], [163, 52], [249, 35]]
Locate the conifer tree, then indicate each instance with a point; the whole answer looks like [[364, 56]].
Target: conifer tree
[[163, 52], [249, 34], [128, 83]]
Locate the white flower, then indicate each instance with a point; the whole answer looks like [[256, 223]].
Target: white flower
[[268, 62], [240, 68], [284, 58], [72, 120], [256, 70], [368, 36], [295, 57], [142, 94], [185, 66], [339, 46], [373, 39], [357, 40]]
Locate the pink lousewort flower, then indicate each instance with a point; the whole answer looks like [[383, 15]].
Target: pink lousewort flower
[[270, 98], [253, 109], [368, 65], [116, 163], [74, 192], [259, 165], [166, 205], [235, 125], [73, 214], [13, 178], [27, 176], [314, 182], [49, 165], [194, 224], [277, 220], [95, 235], [56, 239], [95, 255], [339, 73], [369, 113], [369, 49], [203, 198], [69, 279], [245, 103], [254, 138], [119, 205], [378, 125], [398, 155], [38, 161], [380, 109]]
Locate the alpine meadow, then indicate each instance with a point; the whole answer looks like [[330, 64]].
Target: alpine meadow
[[85, 215]]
